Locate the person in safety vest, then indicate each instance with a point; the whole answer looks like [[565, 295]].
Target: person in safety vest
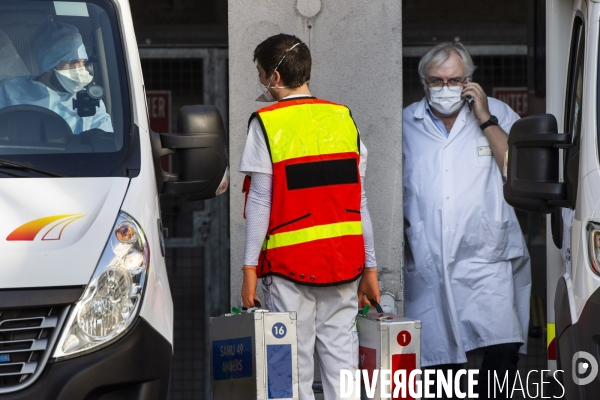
[[308, 231], [468, 272]]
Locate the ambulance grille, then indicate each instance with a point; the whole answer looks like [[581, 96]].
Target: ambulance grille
[[27, 336]]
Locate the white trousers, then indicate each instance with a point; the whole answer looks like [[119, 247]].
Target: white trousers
[[325, 315]]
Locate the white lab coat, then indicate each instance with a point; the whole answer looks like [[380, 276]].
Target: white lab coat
[[467, 269]]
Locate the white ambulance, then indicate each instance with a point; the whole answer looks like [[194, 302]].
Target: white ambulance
[[554, 168], [85, 305]]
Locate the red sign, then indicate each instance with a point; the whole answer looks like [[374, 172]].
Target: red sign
[[408, 363], [367, 360], [516, 98], [159, 113], [159, 110]]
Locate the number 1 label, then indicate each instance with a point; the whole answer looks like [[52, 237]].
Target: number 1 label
[[404, 338]]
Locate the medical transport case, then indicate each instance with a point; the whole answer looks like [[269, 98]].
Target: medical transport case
[[254, 356], [388, 342]]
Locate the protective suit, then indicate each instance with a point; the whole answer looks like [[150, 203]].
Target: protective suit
[[57, 42], [26, 90], [467, 268]]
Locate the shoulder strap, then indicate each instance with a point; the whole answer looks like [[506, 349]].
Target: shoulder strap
[[252, 116]]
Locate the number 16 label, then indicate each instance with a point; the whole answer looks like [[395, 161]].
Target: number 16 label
[[279, 330]]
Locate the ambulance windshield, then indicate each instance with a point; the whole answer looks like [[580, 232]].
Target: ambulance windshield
[[64, 99]]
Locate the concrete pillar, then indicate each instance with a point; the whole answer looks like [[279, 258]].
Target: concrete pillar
[[356, 47]]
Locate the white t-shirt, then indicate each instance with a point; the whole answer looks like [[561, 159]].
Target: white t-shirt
[[256, 157]]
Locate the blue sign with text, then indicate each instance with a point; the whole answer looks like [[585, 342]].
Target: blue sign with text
[[4, 358], [232, 358], [279, 371]]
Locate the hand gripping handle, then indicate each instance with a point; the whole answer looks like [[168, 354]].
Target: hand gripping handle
[[377, 306], [256, 304]]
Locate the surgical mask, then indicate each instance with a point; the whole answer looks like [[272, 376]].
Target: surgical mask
[[266, 96], [447, 100], [73, 80]]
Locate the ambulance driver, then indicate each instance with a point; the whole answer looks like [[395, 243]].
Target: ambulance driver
[[308, 231]]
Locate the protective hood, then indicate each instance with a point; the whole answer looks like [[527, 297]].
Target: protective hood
[[53, 230], [58, 42]]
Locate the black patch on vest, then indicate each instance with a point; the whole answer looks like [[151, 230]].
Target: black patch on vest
[[321, 173]]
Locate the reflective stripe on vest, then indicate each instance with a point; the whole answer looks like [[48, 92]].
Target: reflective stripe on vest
[[315, 230], [313, 233]]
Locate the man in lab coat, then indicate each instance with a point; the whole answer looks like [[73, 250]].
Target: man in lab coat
[[467, 269]]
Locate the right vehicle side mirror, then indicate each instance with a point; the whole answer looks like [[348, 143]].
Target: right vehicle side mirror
[[200, 144], [532, 182]]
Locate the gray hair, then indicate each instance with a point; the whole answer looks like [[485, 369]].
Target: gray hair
[[440, 53]]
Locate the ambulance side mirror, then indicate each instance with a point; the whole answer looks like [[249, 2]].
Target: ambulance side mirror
[[200, 145], [532, 182]]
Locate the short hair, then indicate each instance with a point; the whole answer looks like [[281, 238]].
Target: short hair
[[295, 67], [437, 55]]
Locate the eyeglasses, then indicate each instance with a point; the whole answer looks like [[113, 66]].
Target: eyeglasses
[[438, 83]]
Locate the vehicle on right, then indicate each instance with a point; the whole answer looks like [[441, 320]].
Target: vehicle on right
[[553, 167]]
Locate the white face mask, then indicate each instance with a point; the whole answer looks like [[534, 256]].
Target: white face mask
[[266, 96], [73, 80], [447, 100]]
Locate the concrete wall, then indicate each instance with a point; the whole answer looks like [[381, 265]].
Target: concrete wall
[[356, 46]]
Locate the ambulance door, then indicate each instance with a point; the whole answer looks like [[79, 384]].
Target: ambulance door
[[565, 343], [575, 330]]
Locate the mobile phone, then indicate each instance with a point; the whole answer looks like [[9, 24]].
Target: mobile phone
[[469, 98]]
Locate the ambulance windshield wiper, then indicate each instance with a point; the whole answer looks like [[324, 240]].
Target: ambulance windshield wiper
[[28, 167]]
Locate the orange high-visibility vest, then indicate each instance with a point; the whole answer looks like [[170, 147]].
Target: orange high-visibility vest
[[315, 229]]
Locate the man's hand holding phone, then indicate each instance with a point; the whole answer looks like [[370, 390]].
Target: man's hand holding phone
[[478, 103]]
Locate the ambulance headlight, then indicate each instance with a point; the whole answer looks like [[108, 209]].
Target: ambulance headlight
[[594, 246], [112, 299]]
